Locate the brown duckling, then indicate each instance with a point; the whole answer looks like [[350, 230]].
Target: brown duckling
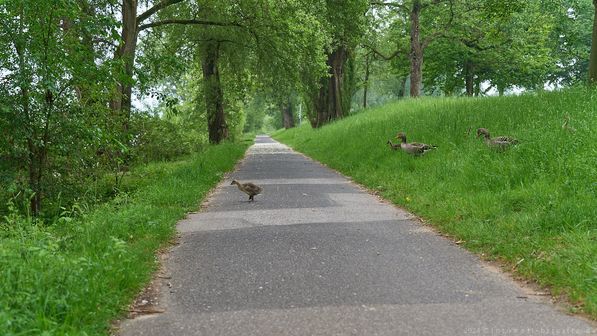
[[499, 142], [414, 148], [248, 188]]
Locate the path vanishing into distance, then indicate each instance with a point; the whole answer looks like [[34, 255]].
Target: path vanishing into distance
[[317, 255]]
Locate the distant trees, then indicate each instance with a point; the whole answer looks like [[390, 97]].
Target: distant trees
[[473, 47]]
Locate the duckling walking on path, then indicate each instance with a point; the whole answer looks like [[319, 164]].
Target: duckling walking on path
[[414, 148], [499, 142], [248, 188]]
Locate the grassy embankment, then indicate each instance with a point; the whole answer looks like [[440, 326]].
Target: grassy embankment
[[533, 207], [75, 276]]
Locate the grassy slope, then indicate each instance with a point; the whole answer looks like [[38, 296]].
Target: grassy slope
[[534, 206], [76, 276]]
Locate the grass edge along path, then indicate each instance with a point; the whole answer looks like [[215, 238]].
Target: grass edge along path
[[532, 207], [79, 274]]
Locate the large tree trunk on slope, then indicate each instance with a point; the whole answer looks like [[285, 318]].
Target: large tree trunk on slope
[[287, 115], [214, 97], [366, 84], [416, 51], [331, 101]]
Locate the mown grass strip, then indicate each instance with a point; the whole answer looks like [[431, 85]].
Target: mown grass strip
[[75, 276], [532, 207]]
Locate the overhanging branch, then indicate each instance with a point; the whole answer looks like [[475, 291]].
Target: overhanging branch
[[389, 4], [188, 22], [160, 5], [378, 53]]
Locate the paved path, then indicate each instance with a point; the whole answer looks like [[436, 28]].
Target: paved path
[[315, 255]]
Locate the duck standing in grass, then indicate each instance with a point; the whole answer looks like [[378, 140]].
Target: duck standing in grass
[[248, 188], [413, 148], [499, 142]]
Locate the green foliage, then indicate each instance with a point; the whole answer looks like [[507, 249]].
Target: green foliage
[[158, 139], [494, 44], [53, 81], [532, 206], [78, 274], [570, 39]]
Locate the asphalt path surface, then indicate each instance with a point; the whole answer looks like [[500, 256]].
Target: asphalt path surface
[[317, 255]]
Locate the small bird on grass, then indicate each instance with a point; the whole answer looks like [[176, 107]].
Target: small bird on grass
[[499, 142], [248, 188], [413, 148]]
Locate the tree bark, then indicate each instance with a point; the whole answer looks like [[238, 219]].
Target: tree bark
[[366, 84], [330, 102], [477, 87], [214, 97], [121, 103], [287, 115], [469, 77], [593, 57], [416, 51], [402, 89]]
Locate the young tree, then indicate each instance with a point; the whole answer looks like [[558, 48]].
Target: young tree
[[440, 14], [593, 57]]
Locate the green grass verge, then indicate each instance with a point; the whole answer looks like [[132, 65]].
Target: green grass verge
[[533, 207], [75, 276]]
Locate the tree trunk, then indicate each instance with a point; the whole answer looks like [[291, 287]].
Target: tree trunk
[[469, 77], [287, 115], [416, 51], [214, 97], [330, 103], [402, 89], [593, 57], [82, 86], [121, 103], [366, 84], [477, 86], [32, 149]]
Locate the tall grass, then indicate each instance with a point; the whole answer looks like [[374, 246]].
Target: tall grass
[[75, 276], [533, 207]]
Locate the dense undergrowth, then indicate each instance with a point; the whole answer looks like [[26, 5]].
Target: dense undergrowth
[[533, 207], [76, 274]]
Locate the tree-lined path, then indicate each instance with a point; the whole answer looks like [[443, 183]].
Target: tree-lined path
[[316, 255]]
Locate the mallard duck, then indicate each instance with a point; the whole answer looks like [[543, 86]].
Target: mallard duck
[[248, 188], [393, 145], [499, 142], [414, 148]]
